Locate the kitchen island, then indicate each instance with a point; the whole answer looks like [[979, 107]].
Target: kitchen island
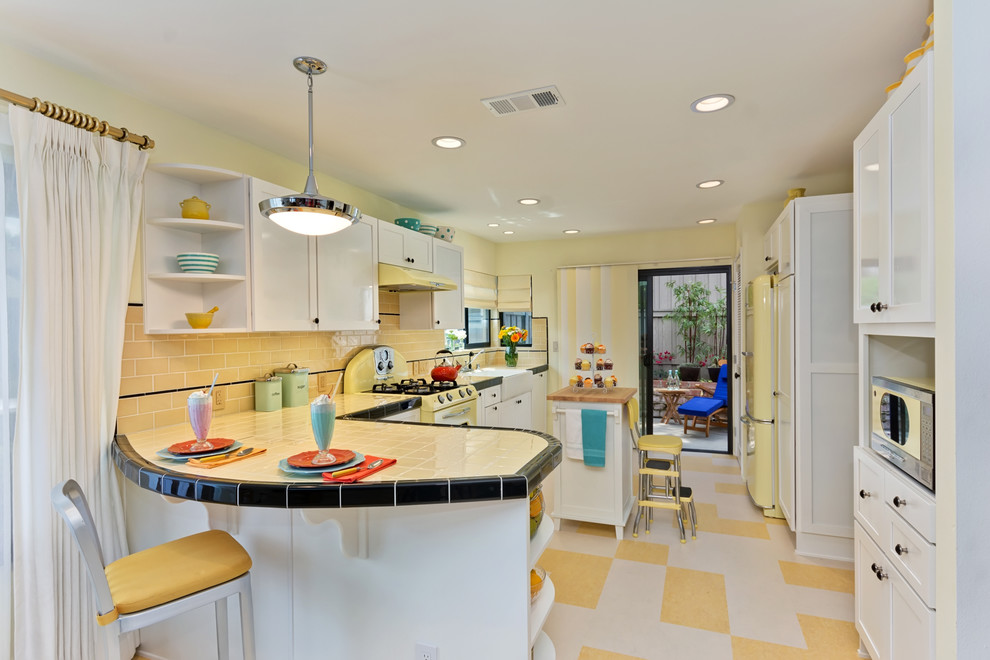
[[434, 549]]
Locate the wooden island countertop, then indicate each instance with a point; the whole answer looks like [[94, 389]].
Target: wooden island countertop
[[617, 395]]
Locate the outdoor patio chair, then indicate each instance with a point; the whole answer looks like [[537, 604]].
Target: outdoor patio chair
[[704, 408]]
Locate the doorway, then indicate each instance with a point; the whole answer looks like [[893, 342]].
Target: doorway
[[685, 326]]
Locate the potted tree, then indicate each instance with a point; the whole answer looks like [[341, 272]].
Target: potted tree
[[689, 314]]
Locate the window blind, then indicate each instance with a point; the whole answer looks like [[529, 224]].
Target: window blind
[[515, 293], [479, 289]]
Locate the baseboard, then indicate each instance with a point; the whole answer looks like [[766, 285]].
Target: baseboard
[[821, 546]]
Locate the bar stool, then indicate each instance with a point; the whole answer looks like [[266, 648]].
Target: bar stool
[[671, 494], [161, 582]]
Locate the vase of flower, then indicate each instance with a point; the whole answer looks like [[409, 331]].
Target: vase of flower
[[509, 337]]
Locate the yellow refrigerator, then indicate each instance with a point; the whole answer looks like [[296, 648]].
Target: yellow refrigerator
[[759, 451]]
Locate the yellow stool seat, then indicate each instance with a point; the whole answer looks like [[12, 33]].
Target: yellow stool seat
[[173, 570], [666, 443]]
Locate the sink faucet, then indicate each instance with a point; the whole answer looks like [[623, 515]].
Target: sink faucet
[[471, 358]]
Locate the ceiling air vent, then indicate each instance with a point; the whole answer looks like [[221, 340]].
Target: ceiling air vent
[[533, 99]]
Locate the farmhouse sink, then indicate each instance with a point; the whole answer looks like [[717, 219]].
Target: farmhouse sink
[[492, 372]]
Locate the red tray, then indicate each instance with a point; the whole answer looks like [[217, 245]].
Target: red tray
[[183, 448], [305, 459]]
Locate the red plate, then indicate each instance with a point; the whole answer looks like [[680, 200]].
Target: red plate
[[305, 459], [183, 448]]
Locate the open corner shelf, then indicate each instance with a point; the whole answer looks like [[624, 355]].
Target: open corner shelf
[[197, 277], [198, 226]]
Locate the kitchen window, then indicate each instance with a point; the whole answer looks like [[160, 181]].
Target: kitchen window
[[523, 320], [478, 325]]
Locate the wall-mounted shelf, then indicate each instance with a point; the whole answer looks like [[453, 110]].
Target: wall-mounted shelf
[[198, 226], [197, 277]]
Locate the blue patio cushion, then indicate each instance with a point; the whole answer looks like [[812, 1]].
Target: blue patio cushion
[[701, 406]]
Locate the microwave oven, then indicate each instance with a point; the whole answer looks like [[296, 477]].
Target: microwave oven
[[902, 425]]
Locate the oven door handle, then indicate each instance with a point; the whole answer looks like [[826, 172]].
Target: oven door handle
[[457, 414]]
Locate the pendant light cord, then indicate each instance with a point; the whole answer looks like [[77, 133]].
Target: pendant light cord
[[310, 180]]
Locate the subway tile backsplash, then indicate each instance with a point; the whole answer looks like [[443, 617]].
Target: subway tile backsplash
[[158, 370]]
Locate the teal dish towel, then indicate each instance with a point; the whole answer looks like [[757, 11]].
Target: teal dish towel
[[593, 436]]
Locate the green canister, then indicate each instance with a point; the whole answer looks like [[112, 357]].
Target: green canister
[[268, 393], [295, 385]]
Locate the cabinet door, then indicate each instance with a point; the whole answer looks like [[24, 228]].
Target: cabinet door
[[912, 624], [283, 265], [869, 177], [347, 278], [390, 244], [418, 249], [491, 415], [784, 396], [873, 616], [771, 242], [785, 235], [517, 412], [540, 402], [448, 306], [911, 212], [870, 510]]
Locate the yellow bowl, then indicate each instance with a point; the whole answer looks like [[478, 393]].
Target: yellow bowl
[[199, 320]]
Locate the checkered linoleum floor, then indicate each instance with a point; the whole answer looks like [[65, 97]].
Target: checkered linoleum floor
[[737, 592]]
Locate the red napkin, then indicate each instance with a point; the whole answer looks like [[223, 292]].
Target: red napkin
[[362, 471]]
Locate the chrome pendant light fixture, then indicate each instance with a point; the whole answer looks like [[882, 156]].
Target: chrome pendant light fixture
[[309, 212]]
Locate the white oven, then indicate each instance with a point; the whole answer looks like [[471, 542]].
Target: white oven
[[458, 411]]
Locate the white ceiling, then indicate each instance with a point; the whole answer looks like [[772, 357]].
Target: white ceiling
[[623, 154]]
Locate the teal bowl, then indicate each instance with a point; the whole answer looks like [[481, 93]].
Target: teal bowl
[[408, 223]]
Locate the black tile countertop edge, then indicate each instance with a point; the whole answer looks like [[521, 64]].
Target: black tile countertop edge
[[386, 410], [301, 495]]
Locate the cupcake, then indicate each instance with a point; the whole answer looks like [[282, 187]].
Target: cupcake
[[608, 365], [585, 364], [600, 364], [576, 380], [598, 380], [600, 348], [577, 363], [588, 382]]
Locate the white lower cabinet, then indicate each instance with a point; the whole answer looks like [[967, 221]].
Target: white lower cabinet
[[517, 412], [540, 402], [895, 562]]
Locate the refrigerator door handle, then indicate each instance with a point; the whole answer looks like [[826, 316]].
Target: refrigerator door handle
[[749, 419]]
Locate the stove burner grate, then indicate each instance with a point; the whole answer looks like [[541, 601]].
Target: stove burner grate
[[414, 386]]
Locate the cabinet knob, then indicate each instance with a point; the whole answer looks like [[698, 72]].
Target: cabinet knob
[[378, 321], [900, 550], [878, 307], [881, 575], [736, 375], [766, 258], [899, 501], [438, 322], [864, 494], [316, 320]]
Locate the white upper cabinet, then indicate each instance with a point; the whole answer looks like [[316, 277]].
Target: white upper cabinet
[[312, 282], [404, 247], [425, 310], [168, 292], [778, 243], [894, 211]]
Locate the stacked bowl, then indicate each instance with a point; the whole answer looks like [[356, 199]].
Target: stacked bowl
[[429, 230], [408, 223], [198, 262], [446, 233]]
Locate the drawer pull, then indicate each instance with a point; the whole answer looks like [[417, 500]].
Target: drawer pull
[[900, 550], [899, 501], [864, 494], [878, 571]]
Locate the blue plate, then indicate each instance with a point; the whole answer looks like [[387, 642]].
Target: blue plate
[[166, 454], [315, 471]]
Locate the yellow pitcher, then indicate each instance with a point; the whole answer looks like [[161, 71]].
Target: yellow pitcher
[[196, 208]]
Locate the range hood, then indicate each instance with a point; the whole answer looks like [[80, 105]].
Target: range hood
[[396, 278]]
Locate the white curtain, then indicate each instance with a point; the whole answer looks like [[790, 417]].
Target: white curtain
[[10, 284], [80, 197]]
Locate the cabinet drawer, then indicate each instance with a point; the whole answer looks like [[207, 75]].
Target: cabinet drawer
[[868, 483], [914, 558], [872, 597], [911, 503]]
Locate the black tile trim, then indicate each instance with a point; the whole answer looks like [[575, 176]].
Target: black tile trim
[[299, 495]]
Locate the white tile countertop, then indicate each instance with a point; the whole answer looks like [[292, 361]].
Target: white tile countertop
[[443, 463]]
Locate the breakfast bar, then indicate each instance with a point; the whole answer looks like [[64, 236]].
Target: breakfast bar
[[365, 569]]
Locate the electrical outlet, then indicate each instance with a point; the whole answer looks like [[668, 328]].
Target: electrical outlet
[[323, 383], [219, 398], [425, 652]]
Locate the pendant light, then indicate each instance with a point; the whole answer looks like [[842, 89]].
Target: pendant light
[[309, 212]]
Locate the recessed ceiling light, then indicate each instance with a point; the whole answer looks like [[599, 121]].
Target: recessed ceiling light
[[529, 201], [508, 232], [872, 167], [572, 231], [713, 183], [493, 224], [706, 221], [713, 103], [448, 142]]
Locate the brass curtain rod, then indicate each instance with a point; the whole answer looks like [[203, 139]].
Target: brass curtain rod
[[77, 119]]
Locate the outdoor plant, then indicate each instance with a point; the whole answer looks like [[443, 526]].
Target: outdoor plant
[[690, 313], [714, 324], [664, 357]]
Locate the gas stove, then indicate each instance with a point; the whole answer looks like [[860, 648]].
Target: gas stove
[[414, 386]]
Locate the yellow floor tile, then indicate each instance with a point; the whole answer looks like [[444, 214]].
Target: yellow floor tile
[[580, 577], [730, 489], [827, 639], [695, 599], [818, 577], [595, 529], [708, 521], [597, 654], [650, 553]]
